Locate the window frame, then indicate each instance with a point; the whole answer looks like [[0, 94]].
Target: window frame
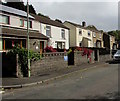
[[8, 22], [94, 34], [48, 28], [100, 35], [89, 34], [63, 33], [23, 25], [80, 31]]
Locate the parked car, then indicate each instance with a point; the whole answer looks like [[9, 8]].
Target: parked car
[[117, 55]]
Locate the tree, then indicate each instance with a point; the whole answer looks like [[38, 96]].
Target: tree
[[116, 34], [18, 5], [31, 9]]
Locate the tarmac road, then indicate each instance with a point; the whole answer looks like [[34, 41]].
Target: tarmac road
[[93, 83]]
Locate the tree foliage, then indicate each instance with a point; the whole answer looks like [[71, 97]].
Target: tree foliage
[[116, 34], [18, 5], [23, 57], [31, 9]]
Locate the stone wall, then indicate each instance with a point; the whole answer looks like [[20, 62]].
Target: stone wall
[[79, 59], [55, 61], [104, 58]]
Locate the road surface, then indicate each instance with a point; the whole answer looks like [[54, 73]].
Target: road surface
[[99, 82]]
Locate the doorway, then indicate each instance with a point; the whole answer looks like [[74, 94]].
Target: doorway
[[41, 47]]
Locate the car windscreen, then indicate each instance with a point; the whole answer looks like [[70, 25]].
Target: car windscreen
[[118, 52]]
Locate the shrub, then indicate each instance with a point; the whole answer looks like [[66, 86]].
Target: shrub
[[23, 58], [50, 49]]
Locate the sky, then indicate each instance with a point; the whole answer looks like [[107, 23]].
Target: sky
[[102, 14]]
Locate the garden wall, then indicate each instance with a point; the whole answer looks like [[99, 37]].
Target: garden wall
[[55, 61], [103, 58]]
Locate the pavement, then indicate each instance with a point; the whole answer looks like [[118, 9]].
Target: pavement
[[8, 83]]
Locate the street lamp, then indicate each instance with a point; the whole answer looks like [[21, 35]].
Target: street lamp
[[28, 39]]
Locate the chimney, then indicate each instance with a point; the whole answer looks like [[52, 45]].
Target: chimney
[[83, 24]]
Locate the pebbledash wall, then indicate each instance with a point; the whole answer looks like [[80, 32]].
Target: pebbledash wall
[[55, 62]]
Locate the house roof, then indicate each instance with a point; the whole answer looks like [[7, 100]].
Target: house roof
[[93, 28], [77, 25], [14, 11], [90, 27], [22, 33], [48, 21]]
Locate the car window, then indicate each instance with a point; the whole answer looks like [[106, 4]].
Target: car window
[[118, 52]]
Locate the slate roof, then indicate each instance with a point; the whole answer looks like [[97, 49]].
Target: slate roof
[[22, 33], [90, 27], [93, 28], [14, 11], [48, 21]]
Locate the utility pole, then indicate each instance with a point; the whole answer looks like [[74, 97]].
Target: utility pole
[[28, 39]]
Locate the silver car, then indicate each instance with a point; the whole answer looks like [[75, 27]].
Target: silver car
[[117, 55]]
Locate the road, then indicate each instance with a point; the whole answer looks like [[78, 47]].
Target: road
[[98, 82]]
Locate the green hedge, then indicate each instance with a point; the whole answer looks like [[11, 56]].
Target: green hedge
[[23, 58]]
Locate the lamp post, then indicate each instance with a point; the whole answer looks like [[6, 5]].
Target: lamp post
[[28, 39]]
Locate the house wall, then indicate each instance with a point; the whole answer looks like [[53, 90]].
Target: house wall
[[98, 38], [15, 22], [36, 43], [72, 35], [112, 40], [56, 35], [79, 37]]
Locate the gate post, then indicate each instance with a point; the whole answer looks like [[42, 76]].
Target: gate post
[[98, 55], [18, 68], [71, 57], [92, 57]]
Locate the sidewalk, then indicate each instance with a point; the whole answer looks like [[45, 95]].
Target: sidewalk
[[45, 77]]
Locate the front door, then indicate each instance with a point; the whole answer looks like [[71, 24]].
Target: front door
[[41, 47]]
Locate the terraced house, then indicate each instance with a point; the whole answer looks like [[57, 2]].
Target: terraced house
[[109, 41], [97, 36], [80, 36], [57, 33], [13, 25]]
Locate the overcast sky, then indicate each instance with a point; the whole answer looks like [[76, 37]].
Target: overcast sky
[[104, 15]]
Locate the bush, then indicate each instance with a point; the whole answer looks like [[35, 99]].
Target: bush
[[23, 58], [50, 49]]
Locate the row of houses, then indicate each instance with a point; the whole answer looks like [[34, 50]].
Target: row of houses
[[44, 31]]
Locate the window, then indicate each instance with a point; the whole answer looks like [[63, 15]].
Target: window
[[110, 38], [60, 45], [88, 33], [80, 44], [23, 23], [48, 31], [4, 19], [94, 34], [80, 32], [63, 33], [100, 35], [63, 45], [94, 44]]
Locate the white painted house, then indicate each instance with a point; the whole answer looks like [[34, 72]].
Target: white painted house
[[58, 34], [13, 26], [79, 35]]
